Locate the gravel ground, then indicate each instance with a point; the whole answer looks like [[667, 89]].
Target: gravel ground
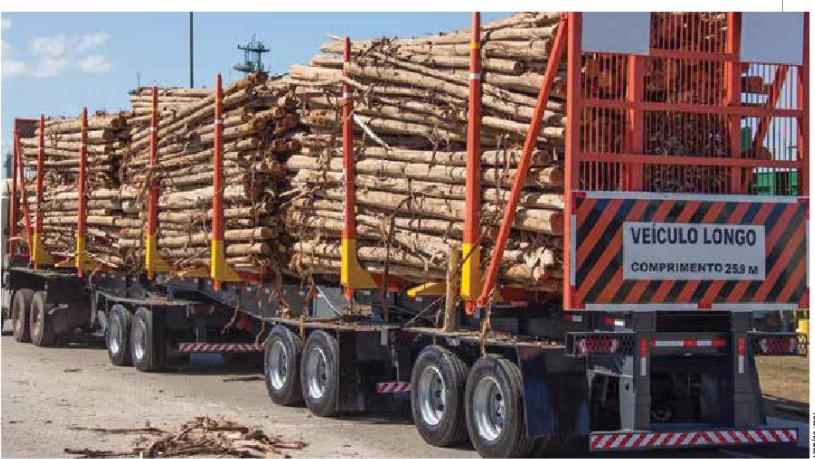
[[47, 391]]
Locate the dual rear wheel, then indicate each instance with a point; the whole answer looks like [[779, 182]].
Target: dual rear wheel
[[449, 401], [131, 340], [297, 372], [30, 319]]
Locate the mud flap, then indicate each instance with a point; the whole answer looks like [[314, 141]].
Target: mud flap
[[351, 396], [555, 393]]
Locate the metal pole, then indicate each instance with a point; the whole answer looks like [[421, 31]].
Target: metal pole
[[471, 250], [491, 276], [351, 273], [152, 205], [192, 79], [12, 211], [733, 83], [217, 256], [24, 199], [82, 213], [803, 121], [574, 108], [36, 250]]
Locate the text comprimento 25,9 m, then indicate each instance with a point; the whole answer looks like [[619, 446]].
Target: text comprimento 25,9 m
[[693, 251]]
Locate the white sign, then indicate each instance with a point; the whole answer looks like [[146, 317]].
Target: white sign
[[693, 251]]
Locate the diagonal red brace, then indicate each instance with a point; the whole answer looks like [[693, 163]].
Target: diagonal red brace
[[518, 182]]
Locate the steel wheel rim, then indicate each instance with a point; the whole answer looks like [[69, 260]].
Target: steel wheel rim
[[35, 322], [114, 334], [17, 319], [316, 373], [432, 395], [139, 337], [488, 408], [278, 365]]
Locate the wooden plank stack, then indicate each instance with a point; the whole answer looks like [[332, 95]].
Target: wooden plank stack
[[258, 116], [108, 134], [410, 121]]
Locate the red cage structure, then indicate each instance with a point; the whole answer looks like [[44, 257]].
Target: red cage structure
[[677, 138]]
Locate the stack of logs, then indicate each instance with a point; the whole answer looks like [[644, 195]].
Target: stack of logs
[[283, 159], [107, 136], [258, 116], [410, 123]]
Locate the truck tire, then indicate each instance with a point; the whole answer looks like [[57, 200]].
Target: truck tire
[[281, 366], [21, 303], [319, 373], [494, 408], [437, 396], [144, 348], [117, 336], [42, 329]]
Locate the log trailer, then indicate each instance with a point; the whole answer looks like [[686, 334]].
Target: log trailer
[[649, 346]]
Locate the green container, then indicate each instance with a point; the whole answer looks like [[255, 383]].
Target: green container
[[776, 183]]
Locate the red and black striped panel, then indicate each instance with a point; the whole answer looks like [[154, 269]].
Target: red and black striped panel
[[598, 249]]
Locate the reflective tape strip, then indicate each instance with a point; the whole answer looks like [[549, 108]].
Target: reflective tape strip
[[153, 129], [220, 347], [347, 95], [475, 76], [392, 387], [217, 121], [653, 440], [689, 342], [573, 317]]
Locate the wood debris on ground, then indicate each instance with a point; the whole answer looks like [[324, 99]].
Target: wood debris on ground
[[202, 436]]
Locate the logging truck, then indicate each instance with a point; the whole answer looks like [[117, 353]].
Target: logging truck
[[649, 343]]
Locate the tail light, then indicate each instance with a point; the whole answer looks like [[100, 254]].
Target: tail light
[[581, 344], [776, 343]]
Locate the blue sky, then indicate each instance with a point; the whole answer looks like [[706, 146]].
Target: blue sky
[[55, 63]]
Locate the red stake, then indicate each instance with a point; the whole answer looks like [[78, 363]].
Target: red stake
[[217, 187], [803, 120], [24, 194], [13, 203], [471, 250], [82, 213], [152, 203], [349, 230], [526, 158], [40, 172]]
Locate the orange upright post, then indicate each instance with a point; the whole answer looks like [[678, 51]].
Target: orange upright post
[[219, 271], [471, 246], [733, 73], [13, 203], [24, 195], [559, 44], [803, 120], [351, 273], [152, 262], [636, 120], [574, 108], [82, 212], [38, 254]]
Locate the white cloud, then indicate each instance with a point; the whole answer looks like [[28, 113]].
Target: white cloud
[[53, 47], [95, 63], [12, 66], [49, 66], [56, 54], [90, 41]]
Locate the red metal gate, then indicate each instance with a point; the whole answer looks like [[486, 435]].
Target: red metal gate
[[679, 138]]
